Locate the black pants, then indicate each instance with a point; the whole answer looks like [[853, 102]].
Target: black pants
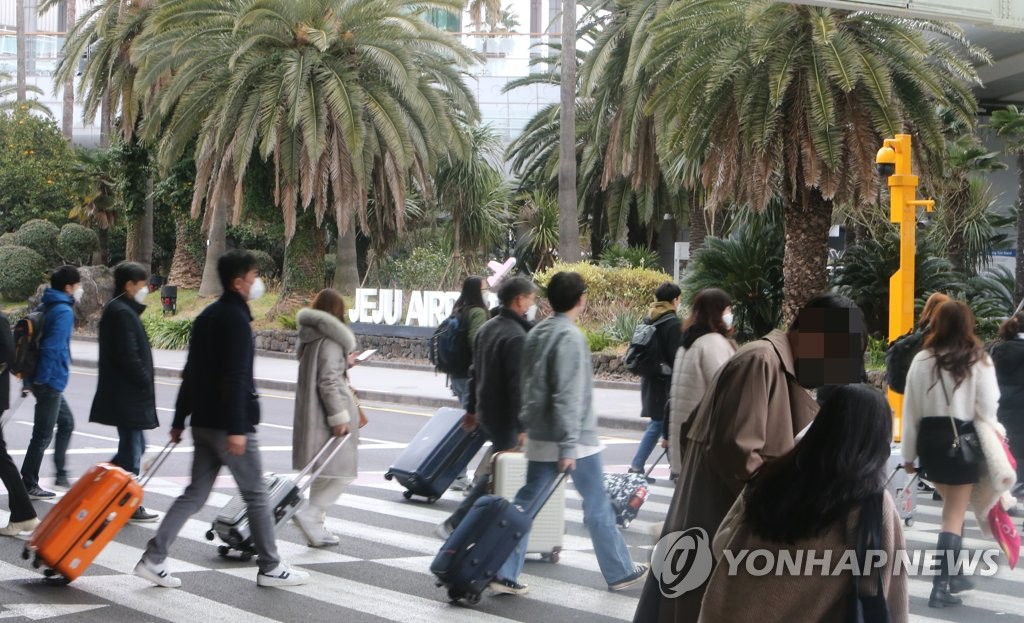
[[500, 442], [1015, 439], [17, 496]]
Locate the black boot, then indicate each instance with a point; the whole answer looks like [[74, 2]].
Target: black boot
[[941, 597], [958, 583]]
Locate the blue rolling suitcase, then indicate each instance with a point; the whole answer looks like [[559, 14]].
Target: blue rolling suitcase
[[436, 456], [477, 549]]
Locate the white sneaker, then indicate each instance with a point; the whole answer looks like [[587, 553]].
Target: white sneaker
[[315, 532], [17, 528], [282, 575], [156, 574]]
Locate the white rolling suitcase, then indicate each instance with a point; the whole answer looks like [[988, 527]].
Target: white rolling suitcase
[[508, 474]]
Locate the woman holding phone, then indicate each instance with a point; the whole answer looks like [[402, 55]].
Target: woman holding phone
[[325, 406]]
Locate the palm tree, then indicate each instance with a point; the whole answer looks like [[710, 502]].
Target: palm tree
[[21, 49], [1009, 124], [94, 172], [568, 209], [343, 96], [791, 101], [6, 90], [483, 11], [68, 117]]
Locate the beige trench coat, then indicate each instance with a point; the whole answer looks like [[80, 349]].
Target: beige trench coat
[[751, 413], [323, 398]]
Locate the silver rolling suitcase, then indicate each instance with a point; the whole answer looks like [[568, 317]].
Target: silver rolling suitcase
[[285, 496], [902, 486], [547, 533]]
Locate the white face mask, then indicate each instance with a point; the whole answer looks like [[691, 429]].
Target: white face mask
[[531, 313], [727, 319], [141, 294], [257, 290], [79, 293]]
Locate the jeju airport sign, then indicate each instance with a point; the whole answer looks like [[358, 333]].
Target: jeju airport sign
[[413, 309]]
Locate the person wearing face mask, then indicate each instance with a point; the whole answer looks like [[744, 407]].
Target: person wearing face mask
[[125, 395], [50, 380], [705, 348], [750, 415], [218, 392]]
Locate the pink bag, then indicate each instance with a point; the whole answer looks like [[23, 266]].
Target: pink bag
[[1003, 530]]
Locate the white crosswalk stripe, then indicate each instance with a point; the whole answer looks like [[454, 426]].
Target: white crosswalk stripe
[[380, 572]]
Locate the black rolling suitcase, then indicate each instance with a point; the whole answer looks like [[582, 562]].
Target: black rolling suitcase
[[436, 456], [476, 550], [628, 492]]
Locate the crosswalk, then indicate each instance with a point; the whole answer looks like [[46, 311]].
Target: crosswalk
[[380, 572]]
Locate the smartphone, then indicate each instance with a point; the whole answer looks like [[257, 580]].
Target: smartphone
[[366, 354]]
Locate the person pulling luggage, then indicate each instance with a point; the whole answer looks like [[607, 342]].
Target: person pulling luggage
[[23, 515]]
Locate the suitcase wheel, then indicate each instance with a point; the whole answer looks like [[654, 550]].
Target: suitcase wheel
[[455, 594], [553, 556], [431, 500], [245, 556], [25, 554], [389, 476], [473, 599], [626, 522], [407, 495], [909, 521], [223, 550], [210, 535]]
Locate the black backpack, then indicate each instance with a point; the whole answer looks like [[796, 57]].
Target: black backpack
[[28, 336], [643, 357], [448, 349], [898, 357]]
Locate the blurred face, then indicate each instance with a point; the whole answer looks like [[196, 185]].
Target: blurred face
[[523, 303], [828, 348], [244, 284]]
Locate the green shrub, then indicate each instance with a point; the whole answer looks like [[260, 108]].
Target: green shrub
[[266, 264], [288, 321], [610, 291], [172, 334], [423, 269], [21, 272], [77, 243], [40, 236], [622, 328], [8, 239], [330, 267], [875, 356], [622, 256], [597, 340]]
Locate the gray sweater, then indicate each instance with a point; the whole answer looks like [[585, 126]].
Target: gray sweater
[[557, 383]]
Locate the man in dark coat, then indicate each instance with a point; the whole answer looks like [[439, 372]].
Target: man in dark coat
[[654, 388], [125, 395], [219, 393], [494, 384], [23, 516]]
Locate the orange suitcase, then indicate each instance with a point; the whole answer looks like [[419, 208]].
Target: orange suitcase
[[88, 517]]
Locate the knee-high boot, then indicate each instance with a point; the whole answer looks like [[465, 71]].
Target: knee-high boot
[[958, 582], [941, 597]]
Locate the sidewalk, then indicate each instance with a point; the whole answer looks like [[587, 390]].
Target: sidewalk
[[616, 408]]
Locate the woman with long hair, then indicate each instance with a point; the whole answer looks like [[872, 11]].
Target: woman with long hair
[[814, 498], [472, 313], [951, 390], [705, 347], [1008, 357], [324, 407]]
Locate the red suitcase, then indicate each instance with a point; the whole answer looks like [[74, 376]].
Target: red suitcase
[[88, 517]]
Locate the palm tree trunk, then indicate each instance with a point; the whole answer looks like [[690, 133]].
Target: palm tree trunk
[[346, 268], [139, 247], [215, 247], [304, 259], [806, 251], [68, 119], [102, 256], [21, 44], [698, 228], [1019, 280], [568, 212], [185, 269], [106, 105]]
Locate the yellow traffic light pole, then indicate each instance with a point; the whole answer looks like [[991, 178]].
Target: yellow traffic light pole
[[894, 161]]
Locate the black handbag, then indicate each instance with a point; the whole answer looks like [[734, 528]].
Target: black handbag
[[868, 608], [966, 446]]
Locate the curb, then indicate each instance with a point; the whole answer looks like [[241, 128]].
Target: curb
[[372, 395]]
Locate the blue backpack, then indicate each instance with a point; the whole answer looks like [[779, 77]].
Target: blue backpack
[[448, 349]]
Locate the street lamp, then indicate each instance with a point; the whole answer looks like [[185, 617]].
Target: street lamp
[[894, 162]]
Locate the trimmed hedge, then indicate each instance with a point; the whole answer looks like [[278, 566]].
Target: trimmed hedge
[[610, 291], [8, 239], [40, 236], [21, 272], [76, 244], [266, 263]]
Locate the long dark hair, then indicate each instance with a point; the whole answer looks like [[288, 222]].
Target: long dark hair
[[838, 465], [471, 296], [1012, 327], [953, 341], [706, 315]]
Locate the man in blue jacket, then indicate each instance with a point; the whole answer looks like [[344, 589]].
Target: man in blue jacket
[[51, 377], [219, 393]]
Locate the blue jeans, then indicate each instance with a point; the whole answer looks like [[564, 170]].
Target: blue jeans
[[460, 387], [609, 547], [130, 448], [51, 410], [647, 444]]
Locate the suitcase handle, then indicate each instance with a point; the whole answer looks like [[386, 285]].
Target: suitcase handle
[[655, 464], [309, 473], [156, 463], [538, 503]]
